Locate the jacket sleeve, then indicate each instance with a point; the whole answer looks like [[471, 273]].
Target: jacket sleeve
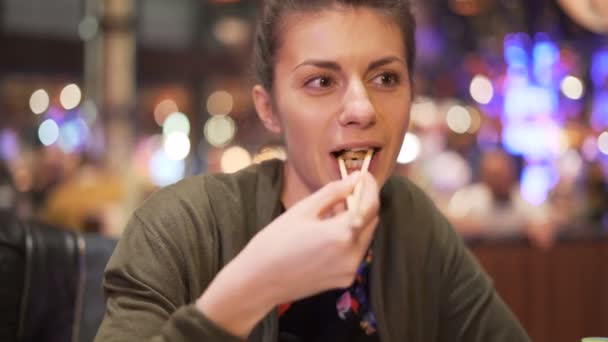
[[147, 292], [470, 308]]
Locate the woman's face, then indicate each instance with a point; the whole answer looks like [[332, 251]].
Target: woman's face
[[341, 83]]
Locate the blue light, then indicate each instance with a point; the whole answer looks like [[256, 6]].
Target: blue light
[[599, 69], [165, 171], [9, 145], [545, 55], [73, 135], [536, 182], [599, 115]]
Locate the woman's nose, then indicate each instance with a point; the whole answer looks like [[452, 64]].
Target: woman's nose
[[358, 110]]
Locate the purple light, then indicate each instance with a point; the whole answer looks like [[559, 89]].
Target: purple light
[[599, 115], [515, 53], [536, 182], [9, 145], [599, 69]]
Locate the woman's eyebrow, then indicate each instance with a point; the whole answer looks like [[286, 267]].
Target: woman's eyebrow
[[384, 61], [324, 64], [320, 64]]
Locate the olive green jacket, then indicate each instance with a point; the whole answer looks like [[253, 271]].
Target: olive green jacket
[[424, 284]]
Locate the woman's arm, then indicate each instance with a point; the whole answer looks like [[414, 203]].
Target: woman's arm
[[303, 252], [470, 309], [592, 14]]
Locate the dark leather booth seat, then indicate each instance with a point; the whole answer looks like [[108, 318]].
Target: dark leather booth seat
[[50, 282]]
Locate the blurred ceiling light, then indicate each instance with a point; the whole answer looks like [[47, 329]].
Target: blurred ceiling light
[[458, 119], [572, 87], [475, 120], [424, 112], [481, 89], [165, 171], [89, 111], [177, 145], [220, 103], [410, 149], [602, 143], [219, 130], [231, 31], [39, 101], [88, 28], [48, 132], [234, 159], [163, 109], [176, 122], [536, 182], [70, 96], [269, 153], [72, 135]]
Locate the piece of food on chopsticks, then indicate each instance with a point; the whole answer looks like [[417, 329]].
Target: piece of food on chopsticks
[[351, 160]]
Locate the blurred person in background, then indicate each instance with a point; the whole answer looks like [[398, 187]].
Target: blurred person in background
[[271, 252], [494, 207]]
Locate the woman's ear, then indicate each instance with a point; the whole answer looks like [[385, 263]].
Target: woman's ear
[[264, 108]]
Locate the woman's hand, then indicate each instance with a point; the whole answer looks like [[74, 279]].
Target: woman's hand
[[314, 246]]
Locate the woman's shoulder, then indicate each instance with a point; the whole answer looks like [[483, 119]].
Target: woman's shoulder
[[414, 213]]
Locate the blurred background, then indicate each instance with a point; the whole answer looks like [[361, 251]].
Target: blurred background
[[105, 101]]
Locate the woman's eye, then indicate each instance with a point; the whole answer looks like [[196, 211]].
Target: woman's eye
[[387, 79], [320, 82]]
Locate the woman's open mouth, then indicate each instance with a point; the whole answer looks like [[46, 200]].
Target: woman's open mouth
[[354, 159]]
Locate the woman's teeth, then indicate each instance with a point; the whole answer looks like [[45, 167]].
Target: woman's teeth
[[354, 160]]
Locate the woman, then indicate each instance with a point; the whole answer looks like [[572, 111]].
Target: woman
[[220, 258]]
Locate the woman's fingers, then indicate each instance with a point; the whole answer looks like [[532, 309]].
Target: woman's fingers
[[323, 201], [368, 201]]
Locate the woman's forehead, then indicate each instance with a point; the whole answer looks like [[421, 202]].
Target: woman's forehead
[[339, 33]]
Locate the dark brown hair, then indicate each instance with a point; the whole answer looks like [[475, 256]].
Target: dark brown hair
[[267, 39]]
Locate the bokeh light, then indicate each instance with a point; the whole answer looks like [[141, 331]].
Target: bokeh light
[[176, 145], [88, 28], [231, 31], [176, 122], [602, 143], [536, 182], [458, 119], [481, 89], [234, 159], [39, 101], [48, 132], [73, 135], [89, 111], [410, 149], [572, 87], [219, 130], [220, 103], [70, 96], [163, 109], [424, 112], [269, 153], [164, 170]]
